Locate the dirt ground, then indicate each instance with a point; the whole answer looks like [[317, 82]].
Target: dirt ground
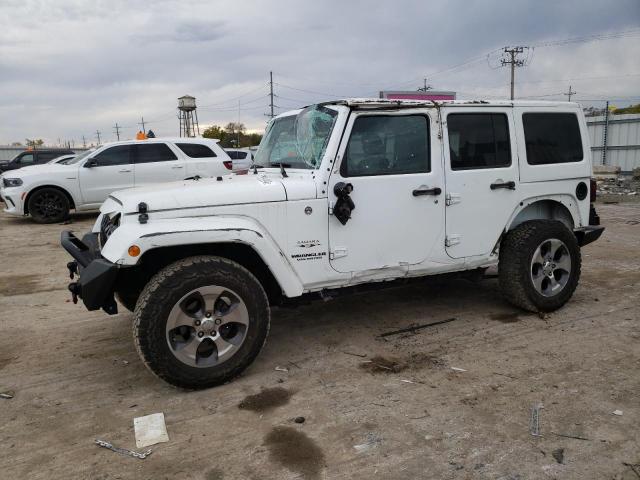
[[388, 407]]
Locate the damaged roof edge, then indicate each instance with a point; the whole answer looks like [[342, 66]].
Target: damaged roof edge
[[379, 103]]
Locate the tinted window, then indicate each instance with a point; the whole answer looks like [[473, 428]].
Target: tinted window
[[45, 157], [478, 140], [154, 152], [552, 138], [387, 146], [237, 155], [196, 150], [26, 159], [118, 155]]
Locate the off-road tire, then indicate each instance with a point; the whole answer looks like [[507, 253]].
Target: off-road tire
[[161, 294], [128, 301], [514, 270], [40, 216]]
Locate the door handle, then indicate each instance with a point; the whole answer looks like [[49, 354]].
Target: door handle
[[508, 185], [124, 171], [427, 191], [178, 166]]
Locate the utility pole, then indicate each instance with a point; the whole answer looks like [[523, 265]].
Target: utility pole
[[510, 58], [570, 94], [271, 93], [142, 123], [98, 135], [117, 128], [84, 142], [425, 87]]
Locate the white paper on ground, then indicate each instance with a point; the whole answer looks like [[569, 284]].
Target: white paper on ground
[[150, 430]]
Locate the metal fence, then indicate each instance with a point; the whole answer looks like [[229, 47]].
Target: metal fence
[[615, 140]]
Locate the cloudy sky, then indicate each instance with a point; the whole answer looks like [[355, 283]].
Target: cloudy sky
[[71, 67]]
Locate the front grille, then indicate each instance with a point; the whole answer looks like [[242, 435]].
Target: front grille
[[107, 227]]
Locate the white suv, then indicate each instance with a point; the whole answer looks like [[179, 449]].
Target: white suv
[[47, 192], [342, 194]]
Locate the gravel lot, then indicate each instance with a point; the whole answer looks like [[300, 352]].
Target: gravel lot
[[374, 407]]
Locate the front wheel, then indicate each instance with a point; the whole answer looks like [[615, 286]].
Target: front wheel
[[48, 205], [539, 265], [201, 321]]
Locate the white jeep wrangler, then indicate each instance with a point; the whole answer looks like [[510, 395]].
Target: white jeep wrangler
[[342, 193]]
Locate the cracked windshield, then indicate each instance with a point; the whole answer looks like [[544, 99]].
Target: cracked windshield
[[297, 141]]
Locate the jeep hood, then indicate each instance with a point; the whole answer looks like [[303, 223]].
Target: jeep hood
[[211, 192]]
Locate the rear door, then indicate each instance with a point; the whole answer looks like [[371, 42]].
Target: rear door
[[201, 160], [481, 171], [155, 162], [113, 171]]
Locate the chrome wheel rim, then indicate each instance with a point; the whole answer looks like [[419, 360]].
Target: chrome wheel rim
[[207, 326], [550, 267]]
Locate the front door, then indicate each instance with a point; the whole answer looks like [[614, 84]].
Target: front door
[[393, 162], [112, 170], [482, 178]]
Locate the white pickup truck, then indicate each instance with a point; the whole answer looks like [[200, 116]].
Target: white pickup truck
[[343, 194], [48, 192]]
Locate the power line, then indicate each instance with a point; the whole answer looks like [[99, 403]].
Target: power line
[[590, 38]]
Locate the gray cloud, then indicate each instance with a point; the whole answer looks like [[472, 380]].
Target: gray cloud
[[69, 67]]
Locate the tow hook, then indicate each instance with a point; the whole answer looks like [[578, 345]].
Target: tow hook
[[73, 269], [74, 288]]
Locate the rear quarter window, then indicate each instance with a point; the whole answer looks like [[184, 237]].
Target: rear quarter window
[[552, 138], [196, 150]]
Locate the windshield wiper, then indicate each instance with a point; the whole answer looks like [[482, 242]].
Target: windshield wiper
[[282, 170]]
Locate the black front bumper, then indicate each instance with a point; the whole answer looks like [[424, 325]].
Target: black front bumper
[[97, 276]]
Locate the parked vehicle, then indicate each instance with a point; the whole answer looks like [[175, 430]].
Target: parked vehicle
[[49, 192], [63, 159], [33, 157], [242, 158], [341, 194]]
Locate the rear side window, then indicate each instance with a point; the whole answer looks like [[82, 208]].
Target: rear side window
[[237, 155], [478, 140], [154, 152], [387, 145], [118, 155], [45, 157], [552, 138], [196, 150]]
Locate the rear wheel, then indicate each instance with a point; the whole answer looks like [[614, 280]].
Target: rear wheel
[[201, 321], [48, 205], [539, 265]]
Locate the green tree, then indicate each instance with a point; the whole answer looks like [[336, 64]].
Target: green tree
[[630, 109], [34, 142], [214, 131]]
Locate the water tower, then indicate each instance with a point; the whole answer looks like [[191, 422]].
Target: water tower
[[188, 116]]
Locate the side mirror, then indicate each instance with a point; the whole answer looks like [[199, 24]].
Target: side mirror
[[91, 163]]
